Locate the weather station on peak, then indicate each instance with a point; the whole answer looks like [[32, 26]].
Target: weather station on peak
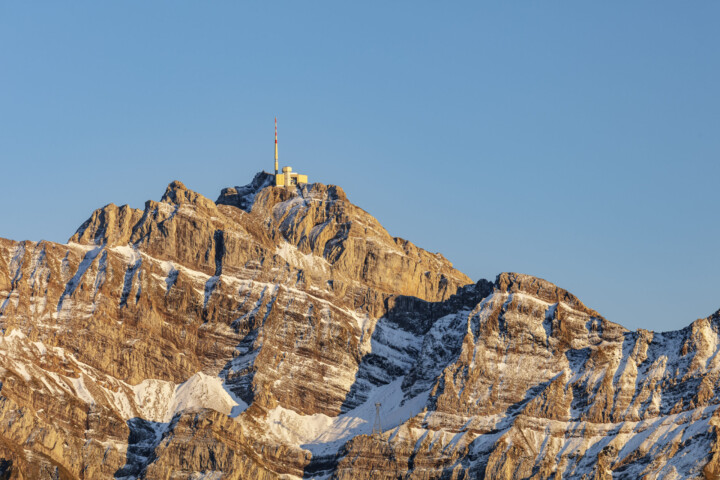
[[287, 178]]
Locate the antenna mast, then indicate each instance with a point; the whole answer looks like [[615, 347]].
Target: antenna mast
[[276, 155]]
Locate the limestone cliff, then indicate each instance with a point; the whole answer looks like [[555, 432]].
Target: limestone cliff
[[251, 337]]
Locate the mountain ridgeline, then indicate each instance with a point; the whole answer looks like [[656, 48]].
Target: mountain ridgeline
[[253, 336]]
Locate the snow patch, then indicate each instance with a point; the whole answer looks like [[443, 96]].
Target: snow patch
[[201, 391], [81, 390], [15, 334], [42, 349], [129, 254], [153, 397], [171, 275], [324, 435], [209, 289], [304, 261]]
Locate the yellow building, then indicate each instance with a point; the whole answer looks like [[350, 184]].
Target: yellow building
[[287, 178]]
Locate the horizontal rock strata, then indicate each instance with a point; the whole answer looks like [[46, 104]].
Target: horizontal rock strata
[[250, 338]]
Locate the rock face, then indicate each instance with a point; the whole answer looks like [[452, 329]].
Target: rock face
[[251, 337]]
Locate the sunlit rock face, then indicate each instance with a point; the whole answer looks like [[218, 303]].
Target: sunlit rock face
[[251, 337]]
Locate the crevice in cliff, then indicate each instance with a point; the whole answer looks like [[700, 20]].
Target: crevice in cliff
[[132, 272], [77, 278], [143, 439]]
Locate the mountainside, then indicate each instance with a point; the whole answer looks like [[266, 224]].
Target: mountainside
[[251, 337]]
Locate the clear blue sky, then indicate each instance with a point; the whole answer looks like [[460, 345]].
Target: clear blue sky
[[574, 141]]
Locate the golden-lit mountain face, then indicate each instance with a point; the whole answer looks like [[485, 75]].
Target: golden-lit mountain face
[[253, 336]]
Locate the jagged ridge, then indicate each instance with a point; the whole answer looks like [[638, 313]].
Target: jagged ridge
[[277, 318]]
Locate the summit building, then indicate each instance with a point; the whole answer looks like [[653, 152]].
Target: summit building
[[287, 178]]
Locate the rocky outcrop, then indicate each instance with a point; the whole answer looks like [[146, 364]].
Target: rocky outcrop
[[110, 225], [533, 384], [251, 337]]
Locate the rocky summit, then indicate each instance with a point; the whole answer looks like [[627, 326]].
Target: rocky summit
[[257, 337]]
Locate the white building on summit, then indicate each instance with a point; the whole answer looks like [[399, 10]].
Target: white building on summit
[[287, 178]]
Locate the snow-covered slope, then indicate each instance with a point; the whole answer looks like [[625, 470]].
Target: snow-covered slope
[[252, 337]]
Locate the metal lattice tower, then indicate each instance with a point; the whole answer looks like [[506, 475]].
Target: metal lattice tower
[[377, 426]]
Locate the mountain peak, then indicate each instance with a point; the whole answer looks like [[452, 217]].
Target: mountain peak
[[244, 196], [260, 332], [315, 219], [542, 289], [177, 194]]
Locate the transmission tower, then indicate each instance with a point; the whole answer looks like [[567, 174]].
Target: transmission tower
[[377, 426]]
